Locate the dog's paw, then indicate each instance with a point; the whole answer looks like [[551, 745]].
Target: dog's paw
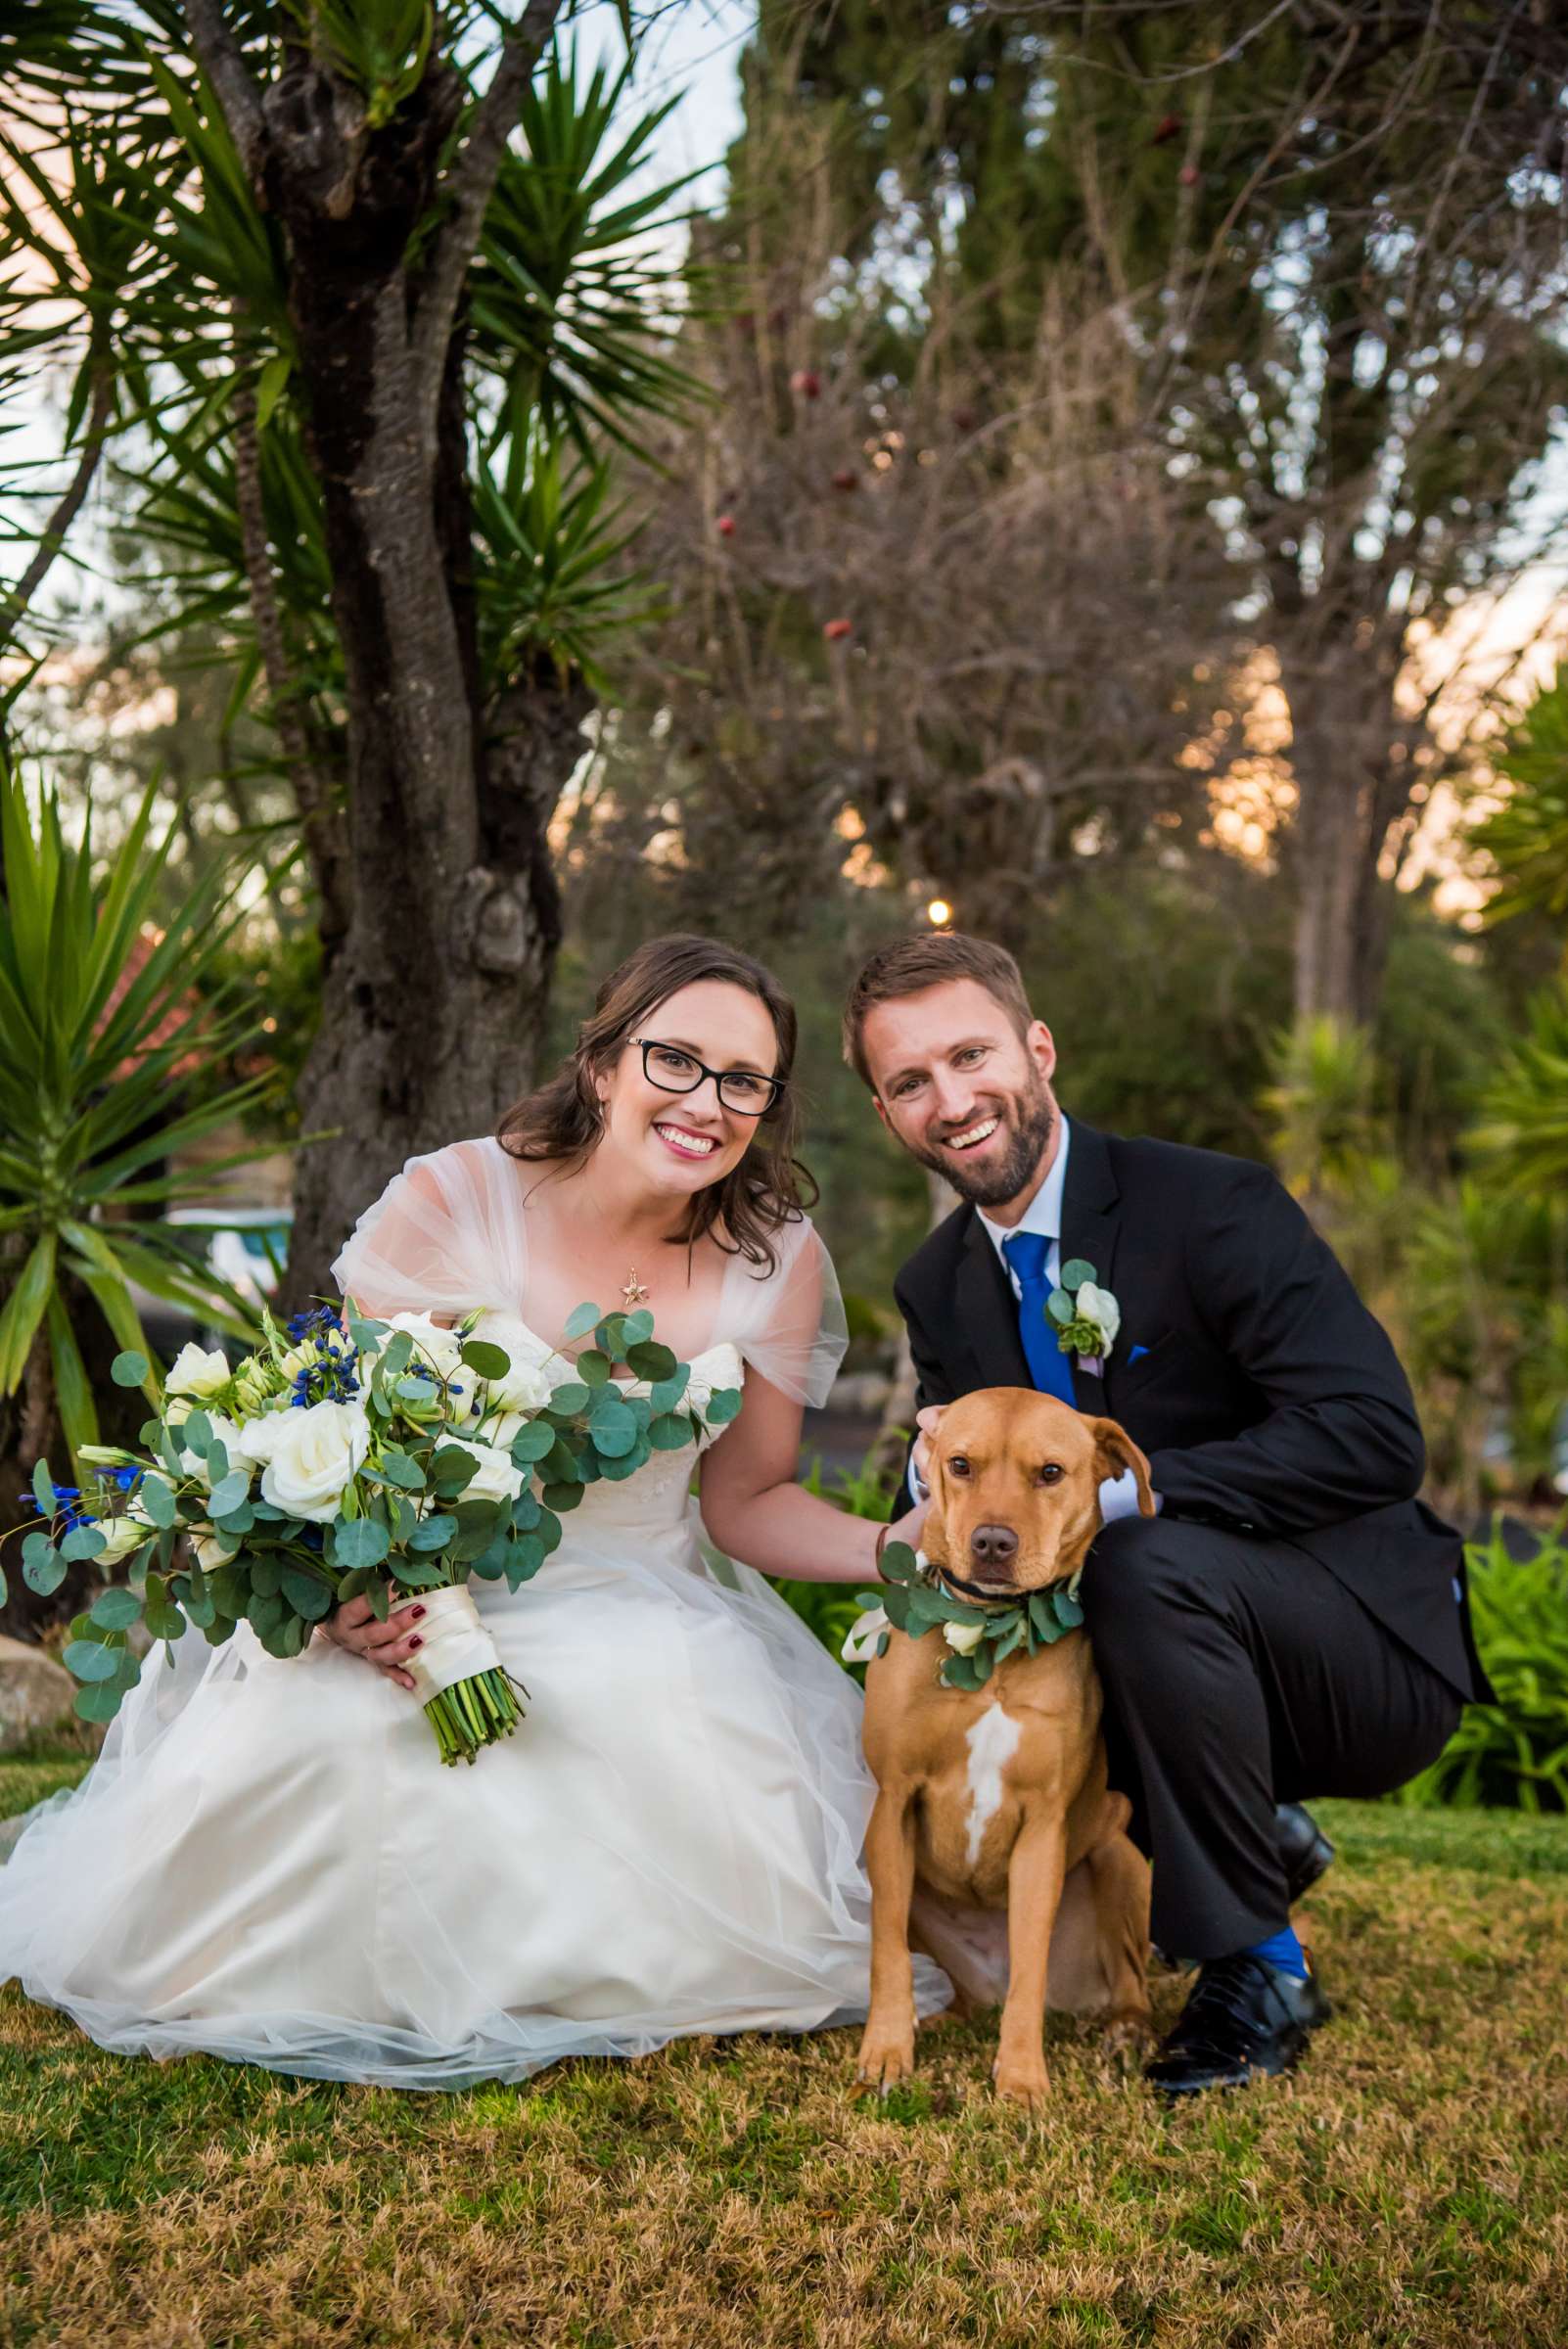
[[1022, 2080], [1129, 2031], [887, 2055]]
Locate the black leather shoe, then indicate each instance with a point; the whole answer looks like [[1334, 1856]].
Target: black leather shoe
[[1304, 1849], [1245, 2020]]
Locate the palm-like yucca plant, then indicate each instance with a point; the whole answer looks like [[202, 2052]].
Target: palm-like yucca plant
[[1523, 1131], [101, 1014], [1527, 837]]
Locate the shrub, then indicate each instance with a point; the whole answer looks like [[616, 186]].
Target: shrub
[[1512, 1753], [829, 1609]]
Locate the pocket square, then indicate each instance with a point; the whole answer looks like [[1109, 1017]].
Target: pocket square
[[1136, 1355]]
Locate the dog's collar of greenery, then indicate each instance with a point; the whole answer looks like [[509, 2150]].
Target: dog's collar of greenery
[[916, 1600]]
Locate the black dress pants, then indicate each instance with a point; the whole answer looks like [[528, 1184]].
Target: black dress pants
[[1239, 1673]]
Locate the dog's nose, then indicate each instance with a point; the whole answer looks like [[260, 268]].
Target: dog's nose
[[994, 1545]]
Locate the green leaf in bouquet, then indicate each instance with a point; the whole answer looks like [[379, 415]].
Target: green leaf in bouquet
[[229, 1493], [117, 1610], [378, 1401], [168, 1451], [216, 1457], [896, 1606], [639, 1329], [668, 1392], [43, 1569], [162, 1618], [1042, 1615], [82, 1542], [433, 1532], [380, 1596], [1068, 1609], [723, 1405], [613, 1428], [156, 1501], [492, 1562], [98, 1702], [527, 1557], [309, 1597], [562, 1499], [588, 1469], [1059, 1306], [670, 1432], [394, 1468], [614, 1467], [265, 1512], [364, 1334], [487, 1361], [532, 1442], [558, 1465], [451, 1471], [1013, 1639], [231, 1591], [594, 1368], [549, 1531], [611, 1337], [265, 1614], [220, 1630], [580, 1320], [651, 1361], [526, 1512], [404, 1518], [235, 1522], [266, 1570], [364, 1542], [572, 1397], [130, 1368], [899, 1563], [197, 1600], [43, 1490], [413, 1574], [963, 1672], [197, 1433], [396, 1359], [352, 1583], [91, 1660], [1074, 1272]]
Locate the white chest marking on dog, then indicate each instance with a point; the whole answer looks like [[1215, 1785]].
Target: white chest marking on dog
[[991, 1743]]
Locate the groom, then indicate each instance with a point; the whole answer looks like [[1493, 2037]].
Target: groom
[[1293, 1621]]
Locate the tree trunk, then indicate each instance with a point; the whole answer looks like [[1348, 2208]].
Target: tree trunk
[[1351, 796]]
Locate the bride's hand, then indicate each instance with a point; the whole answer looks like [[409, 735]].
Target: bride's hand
[[387, 1645]]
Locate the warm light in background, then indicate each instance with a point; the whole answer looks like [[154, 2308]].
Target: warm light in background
[[939, 913]]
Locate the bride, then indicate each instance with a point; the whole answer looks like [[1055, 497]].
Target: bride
[[268, 1864]]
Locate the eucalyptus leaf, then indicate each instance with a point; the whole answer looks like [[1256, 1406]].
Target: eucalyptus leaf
[[364, 1543], [722, 1406], [43, 1569], [665, 1393], [82, 1542], [1074, 1272], [639, 1329], [651, 1361], [581, 1320], [117, 1610], [91, 1660], [668, 1433], [309, 1599], [572, 1397], [1059, 1306], [562, 1499], [99, 1702], [433, 1532], [129, 1369], [156, 1501], [532, 1442], [594, 1368], [229, 1493], [43, 1490]]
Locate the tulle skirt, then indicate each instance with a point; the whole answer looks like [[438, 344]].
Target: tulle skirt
[[269, 1863]]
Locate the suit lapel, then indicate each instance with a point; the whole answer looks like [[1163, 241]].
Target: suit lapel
[[987, 1311], [1090, 1229]]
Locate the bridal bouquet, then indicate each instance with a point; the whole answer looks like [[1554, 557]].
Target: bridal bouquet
[[394, 1459]]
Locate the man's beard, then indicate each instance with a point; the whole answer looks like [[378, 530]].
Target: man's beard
[[1032, 1117]]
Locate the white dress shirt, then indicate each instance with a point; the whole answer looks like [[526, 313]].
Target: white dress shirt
[[1119, 1495]]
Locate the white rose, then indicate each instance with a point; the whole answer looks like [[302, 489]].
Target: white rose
[[245, 1447], [524, 1388], [497, 1479], [209, 1551], [194, 1372], [437, 1349], [1098, 1305], [964, 1637], [311, 1455], [504, 1431], [121, 1535]]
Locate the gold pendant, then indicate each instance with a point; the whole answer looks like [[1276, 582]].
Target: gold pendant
[[633, 1293]]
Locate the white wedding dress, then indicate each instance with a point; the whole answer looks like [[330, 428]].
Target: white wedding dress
[[269, 1863]]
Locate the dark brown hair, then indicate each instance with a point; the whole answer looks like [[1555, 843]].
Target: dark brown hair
[[907, 965], [563, 1118]]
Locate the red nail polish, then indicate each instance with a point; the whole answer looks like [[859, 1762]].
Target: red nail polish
[[415, 1641], [418, 1614]]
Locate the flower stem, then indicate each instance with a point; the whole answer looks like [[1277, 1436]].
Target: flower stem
[[472, 1714]]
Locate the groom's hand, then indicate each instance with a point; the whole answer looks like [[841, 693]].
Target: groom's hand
[[387, 1645], [927, 1423]]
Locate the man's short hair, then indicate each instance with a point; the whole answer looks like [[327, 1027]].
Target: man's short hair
[[906, 966]]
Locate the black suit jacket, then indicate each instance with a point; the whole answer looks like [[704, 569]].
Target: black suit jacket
[[1266, 1396]]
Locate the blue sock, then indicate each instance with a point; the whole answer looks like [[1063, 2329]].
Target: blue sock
[[1283, 1950]]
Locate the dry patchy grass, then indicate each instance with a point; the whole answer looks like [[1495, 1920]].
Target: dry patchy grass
[[1407, 2190]]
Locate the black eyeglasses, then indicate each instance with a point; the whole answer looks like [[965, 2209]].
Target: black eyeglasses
[[673, 1071]]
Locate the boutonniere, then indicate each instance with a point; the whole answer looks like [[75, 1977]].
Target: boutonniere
[[978, 1638], [1086, 1316]]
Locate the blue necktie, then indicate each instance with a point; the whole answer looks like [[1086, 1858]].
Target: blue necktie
[[1049, 1366]]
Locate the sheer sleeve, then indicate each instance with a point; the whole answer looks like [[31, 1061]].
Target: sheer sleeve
[[790, 1325], [445, 1237]]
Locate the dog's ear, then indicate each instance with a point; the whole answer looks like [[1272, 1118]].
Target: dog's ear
[[1115, 1452], [934, 1528]]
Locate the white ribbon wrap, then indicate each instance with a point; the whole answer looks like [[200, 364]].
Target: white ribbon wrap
[[456, 1646]]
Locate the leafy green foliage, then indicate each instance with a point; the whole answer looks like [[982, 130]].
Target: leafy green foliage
[[102, 1015], [1515, 1752]]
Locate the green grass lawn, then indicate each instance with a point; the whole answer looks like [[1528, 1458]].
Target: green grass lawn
[[1409, 2188]]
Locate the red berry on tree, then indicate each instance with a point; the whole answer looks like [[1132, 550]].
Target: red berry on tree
[[1189, 175], [835, 630], [845, 478], [727, 526], [1166, 128], [807, 383]]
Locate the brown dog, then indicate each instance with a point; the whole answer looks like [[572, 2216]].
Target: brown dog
[[996, 1798]]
